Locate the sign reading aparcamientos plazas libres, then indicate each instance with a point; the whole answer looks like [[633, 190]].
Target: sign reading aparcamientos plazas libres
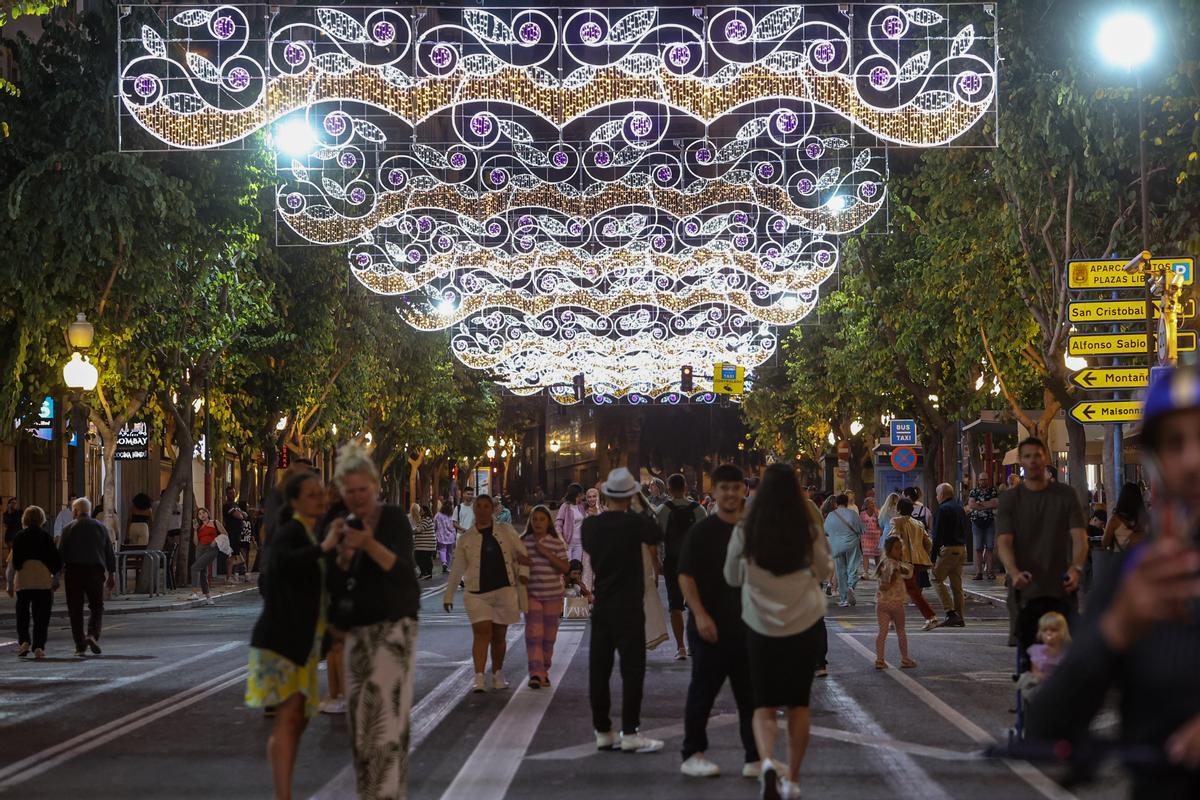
[[1109, 273]]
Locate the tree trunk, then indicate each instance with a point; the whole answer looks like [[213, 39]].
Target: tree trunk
[[180, 481], [950, 456], [183, 555], [1076, 460]]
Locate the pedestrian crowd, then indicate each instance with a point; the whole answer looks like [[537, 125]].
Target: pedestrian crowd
[[749, 571]]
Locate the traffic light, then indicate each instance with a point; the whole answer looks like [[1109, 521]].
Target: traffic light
[[685, 379], [578, 382]]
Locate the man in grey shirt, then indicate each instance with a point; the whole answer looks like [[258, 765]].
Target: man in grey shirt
[[87, 555], [1042, 540]]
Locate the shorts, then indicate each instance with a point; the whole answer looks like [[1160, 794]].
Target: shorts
[[671, 578], [499, 606], [782, 667], [984, 534]]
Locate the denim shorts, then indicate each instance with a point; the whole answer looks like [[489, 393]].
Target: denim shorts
[[984, 534]]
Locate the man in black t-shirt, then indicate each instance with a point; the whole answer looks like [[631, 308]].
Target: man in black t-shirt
[[613, 540], [715, 631], [676, 517]]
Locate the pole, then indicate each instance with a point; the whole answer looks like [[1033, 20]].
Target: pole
[[207, 448], [79, 419], [1142, 164]]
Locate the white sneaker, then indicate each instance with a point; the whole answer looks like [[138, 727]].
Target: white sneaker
[[333, 707], [930, 624], [636, 743], [789, 790], [768, 781], [209, 601], [843, 603], [195, 596], [752, 769], [697, 766], [606, 741], [681, 654], [498, 680], [479, 685]]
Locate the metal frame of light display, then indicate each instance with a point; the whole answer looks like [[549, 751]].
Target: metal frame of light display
[[618, 192]]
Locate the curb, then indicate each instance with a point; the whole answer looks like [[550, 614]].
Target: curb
[[986, 598], [60, 610]]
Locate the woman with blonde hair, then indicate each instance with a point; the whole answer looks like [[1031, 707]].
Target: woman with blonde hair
[[32, 577], [375, 598]]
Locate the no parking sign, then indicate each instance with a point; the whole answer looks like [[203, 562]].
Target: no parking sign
[[904, 459]]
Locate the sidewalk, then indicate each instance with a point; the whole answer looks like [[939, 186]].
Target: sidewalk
[[990, 592], [137, 603]]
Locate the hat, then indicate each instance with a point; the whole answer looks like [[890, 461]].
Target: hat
[[1171, 390], [620, 484]]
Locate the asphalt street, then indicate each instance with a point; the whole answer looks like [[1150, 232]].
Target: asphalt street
[[160, 715]]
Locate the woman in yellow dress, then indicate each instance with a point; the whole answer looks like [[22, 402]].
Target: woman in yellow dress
[[285, 646]]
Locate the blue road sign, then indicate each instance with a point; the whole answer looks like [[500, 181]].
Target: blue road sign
[[903, 433]]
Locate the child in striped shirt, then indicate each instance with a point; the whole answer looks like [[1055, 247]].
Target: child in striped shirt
[[548, 554]]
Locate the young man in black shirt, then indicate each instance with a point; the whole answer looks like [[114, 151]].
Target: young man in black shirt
[[613, 540], [715, 631]]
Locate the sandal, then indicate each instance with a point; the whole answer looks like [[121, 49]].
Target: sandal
[[907, 663], [880, 664]]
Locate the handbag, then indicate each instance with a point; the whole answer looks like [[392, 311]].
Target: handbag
[[341, 613], [222, 543], [576, 608]]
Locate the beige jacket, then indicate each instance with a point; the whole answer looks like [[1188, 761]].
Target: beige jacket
[[915, 540], [465, 566]]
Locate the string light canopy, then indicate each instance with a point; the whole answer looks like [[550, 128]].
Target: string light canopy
[[615, 192]]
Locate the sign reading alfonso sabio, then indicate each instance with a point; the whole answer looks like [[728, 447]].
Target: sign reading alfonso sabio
[[133, 442]]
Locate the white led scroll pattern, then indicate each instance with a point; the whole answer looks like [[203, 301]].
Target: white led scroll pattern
[[558, 162], [787, 52]]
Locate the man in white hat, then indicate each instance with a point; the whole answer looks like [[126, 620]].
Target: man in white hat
[[613, 539]]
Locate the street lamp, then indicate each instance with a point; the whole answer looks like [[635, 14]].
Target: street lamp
[[555, 445], [80, 375], [1127, 39]]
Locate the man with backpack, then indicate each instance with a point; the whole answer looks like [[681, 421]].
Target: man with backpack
[[676, 518]]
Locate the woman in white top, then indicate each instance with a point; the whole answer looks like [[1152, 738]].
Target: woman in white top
[[779, 556]]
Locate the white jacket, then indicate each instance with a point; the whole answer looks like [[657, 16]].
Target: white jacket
[[779, 605], [465, 566]]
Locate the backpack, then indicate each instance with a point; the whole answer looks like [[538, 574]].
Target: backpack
[[679, 522]]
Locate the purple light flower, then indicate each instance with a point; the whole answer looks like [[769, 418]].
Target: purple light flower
[[530, 33], [497, 177], [824, 52], [145, 85], [893, 26], [362, 259], [704, 155], [239, 78], [805, 186], [559, 159], [414, 255], [603, 158], [383, 32], [680, 55], [736, 30], [766, 171], [223, 27], [441, 55], [481, 125], [591, 32], [396, 177], [424, 224], [294, 200], [357, 195], [640, 124], [869, 189], [335, 124], [663, 174], [458, 160], [347, 159], [294, 54], [787, 121], [880, 76]]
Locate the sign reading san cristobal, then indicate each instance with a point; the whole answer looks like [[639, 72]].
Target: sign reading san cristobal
[[1109, 273]]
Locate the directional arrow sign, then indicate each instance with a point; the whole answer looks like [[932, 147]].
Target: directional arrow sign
[[1084, 311], [1112, 378], [1097, 411], [1121, 344], [1110, 273]]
